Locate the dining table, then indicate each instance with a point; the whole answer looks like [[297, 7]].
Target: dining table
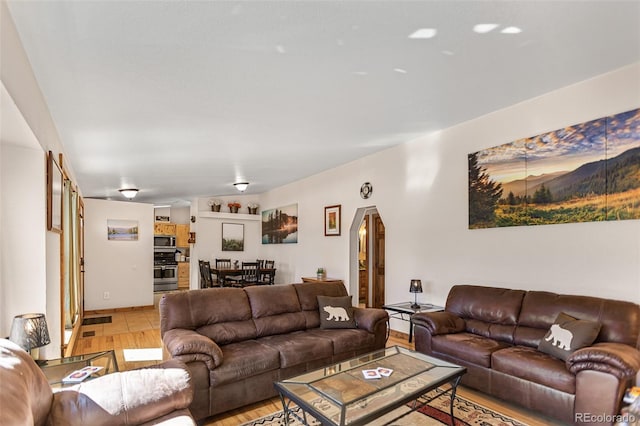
[[223, 273]]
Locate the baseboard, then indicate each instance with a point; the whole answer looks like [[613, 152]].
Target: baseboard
[[115, 310]]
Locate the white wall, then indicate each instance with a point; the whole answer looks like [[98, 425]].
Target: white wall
[[420, 190], [209, 233], [25, 121], [124, 269]]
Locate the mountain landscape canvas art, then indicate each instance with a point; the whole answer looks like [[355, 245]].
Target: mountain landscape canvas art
[[581, 173]]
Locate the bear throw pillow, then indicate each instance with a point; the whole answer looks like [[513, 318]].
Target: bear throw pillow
[[568, 334], [336, 312]]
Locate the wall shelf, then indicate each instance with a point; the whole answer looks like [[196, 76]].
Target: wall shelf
[[230, 216]]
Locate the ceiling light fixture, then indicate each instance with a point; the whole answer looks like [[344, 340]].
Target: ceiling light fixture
[[241, 186], [400, 70], [484, 28], [511, 30], [129, 193], [424, 33]]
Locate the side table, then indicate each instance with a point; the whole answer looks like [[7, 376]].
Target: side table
[[404, 311], [57, 369]]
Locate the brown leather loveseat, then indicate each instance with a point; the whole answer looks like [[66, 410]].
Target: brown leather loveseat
[[237, 342], [495, 333], [156, 395]]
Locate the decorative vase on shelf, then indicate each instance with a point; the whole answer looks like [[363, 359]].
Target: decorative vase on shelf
[[215, 208], [253, 210], [233, 209]]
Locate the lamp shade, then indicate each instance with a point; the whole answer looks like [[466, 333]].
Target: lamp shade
[[29, 331], [416, 286]]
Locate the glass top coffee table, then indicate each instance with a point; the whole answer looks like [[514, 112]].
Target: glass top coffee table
[[56, 369], [340, 394]]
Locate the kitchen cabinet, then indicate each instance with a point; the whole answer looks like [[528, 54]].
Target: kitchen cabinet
[[183, 275], [163, 228], [182, 235]]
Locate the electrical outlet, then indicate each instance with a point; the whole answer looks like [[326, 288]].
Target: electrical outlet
[[106, 295]]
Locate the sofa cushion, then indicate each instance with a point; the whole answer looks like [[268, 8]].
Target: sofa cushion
[[620, 320], [298, 347], [468, 347], [308, 296], [489, 311], [275, 309], [336, 312], [346, 340], [244, 359], [529, 364], [568, 334]]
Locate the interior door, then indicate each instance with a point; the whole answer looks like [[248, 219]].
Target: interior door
[[363, 262], [378, 261]]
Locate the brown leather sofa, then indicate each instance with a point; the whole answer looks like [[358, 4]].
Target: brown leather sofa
[[495, 333], [147, 396], [238, 341]]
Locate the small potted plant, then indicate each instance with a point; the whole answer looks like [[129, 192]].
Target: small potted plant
[[215, 205], [321, 274], [234, 206], [253, 208]]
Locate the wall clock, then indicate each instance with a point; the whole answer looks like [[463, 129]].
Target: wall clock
[[365, 190]]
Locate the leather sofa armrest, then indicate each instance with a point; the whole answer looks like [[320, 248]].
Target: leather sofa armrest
[[439, 322], [125, 398], [368, 318], [188, 345], [620, 360]]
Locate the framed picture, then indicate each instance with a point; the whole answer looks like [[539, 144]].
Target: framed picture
[[232, 237], [54, 194], [332, 221], [280, 225], [122, 230]]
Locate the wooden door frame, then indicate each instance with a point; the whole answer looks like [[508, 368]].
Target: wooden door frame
[[353, 250]]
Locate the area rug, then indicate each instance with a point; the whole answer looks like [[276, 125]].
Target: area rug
[[435, 413]]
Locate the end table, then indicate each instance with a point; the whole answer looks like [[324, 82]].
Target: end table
[[57, 369], [404, 311]]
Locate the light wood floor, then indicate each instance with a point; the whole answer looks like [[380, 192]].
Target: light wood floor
[[140, 329]]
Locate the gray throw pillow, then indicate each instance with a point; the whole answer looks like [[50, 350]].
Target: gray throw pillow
[[336, 312], [568, 334]]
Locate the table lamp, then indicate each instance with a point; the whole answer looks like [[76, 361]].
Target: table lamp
[[30, 332], [415, 288]]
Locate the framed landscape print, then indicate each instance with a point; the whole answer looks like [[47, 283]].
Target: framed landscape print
[[232, 237], [332, 220], [280, 225], [122, 230], [586, 172]]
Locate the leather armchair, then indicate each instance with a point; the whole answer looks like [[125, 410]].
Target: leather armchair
[[146, 396]]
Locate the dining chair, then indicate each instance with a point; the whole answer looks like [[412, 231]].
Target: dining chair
[[249, 273], [266, 272], [224, 279], [205, 274]]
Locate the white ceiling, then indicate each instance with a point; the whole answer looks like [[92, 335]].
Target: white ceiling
[[182, 98]]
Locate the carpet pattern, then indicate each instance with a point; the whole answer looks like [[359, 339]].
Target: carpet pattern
[[435, 413]]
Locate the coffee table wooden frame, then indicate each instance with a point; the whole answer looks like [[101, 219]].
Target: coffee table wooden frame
[[288, 397]]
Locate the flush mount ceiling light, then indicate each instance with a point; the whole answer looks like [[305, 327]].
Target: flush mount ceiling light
[[241, 186], [423, 33], [129, 193]]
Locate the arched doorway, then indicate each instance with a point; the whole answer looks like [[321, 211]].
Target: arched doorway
[[367, 258]]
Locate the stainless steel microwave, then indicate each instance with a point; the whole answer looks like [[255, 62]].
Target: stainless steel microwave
[[164, 241]]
